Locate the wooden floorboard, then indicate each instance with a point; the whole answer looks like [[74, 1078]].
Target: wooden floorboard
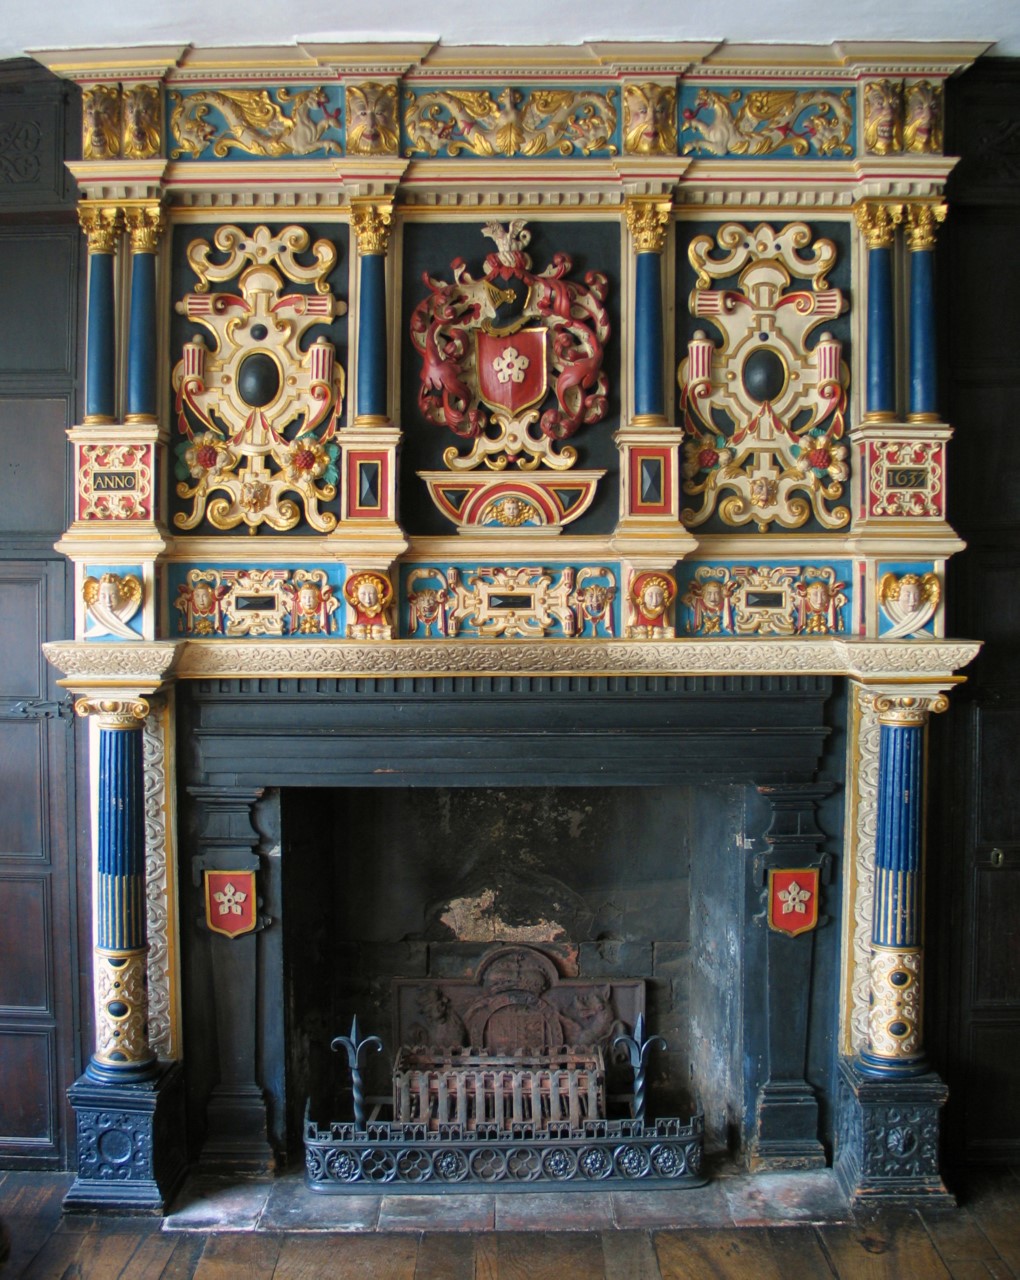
[[767, 1253], [979, 1241]]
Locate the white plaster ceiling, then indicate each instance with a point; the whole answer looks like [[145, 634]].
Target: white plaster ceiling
[[65, 24]]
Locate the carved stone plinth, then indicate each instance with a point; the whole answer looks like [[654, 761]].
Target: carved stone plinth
[[887, 1139], [131, 1156]]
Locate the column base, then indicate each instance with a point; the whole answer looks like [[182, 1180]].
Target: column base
[[786, 1130], [131, 1156], [237, 1135], [887, 1139]]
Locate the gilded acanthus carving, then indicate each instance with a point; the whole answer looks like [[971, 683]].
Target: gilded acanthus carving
[[259, 122], [513, 122], [760, 122]]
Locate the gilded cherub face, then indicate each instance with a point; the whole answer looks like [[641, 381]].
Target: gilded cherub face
[[910, 595], [817, 596], [372, 119], [309, 597], [712, 595], [202, 598]]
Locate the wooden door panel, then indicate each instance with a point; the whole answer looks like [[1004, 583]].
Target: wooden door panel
[[36, 1055]]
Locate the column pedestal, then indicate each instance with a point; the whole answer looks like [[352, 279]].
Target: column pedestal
[[887, 1139], [131, 1156]]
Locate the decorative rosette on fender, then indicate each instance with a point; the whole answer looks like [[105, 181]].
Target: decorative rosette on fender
[[512, 363]]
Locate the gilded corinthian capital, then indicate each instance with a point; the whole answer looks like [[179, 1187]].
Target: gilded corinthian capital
[[648, 218], [372, 224], [145, 224], [878, 222], [923, 221], [102, 224]]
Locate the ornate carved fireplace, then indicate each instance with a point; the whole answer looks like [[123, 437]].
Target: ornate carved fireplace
[[394, 502]]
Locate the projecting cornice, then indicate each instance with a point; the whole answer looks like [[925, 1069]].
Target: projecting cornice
[[85, 666]]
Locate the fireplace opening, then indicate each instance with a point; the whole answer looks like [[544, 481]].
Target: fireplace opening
[[385, 885]]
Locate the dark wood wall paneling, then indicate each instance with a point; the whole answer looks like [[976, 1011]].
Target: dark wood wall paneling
[[40, 289], [974, 927]]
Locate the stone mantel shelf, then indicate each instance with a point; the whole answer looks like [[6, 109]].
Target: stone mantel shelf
[[146, 666]]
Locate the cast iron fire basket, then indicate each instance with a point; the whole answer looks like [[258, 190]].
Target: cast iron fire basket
[[475, 1104]]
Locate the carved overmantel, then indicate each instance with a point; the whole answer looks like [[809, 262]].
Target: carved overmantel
[[416, 361]]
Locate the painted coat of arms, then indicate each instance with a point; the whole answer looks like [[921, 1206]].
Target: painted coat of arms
[[793, 900], [512, 363], [230, 902]]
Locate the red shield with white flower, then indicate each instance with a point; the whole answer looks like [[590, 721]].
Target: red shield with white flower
[[511, 369], [230, 902], [793, 900]]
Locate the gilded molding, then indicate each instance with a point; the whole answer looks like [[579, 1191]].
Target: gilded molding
[[878, 221], [862, 830], [922, 224], [160, 885], [373, 223], [648, 220], [145, 225], [102, 224]]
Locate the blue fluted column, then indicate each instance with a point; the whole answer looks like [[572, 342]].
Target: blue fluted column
[[922, 222], [878, 223], [122, 1052], [895, 1033], [372, 222], [145, 225], [102, 225], [648, 219]]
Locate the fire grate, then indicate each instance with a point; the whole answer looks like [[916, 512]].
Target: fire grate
[[482, 1111], [469, 1087]]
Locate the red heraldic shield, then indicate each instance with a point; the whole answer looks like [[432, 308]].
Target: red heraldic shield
[[511, 369], [793, 900], [230, 902]]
